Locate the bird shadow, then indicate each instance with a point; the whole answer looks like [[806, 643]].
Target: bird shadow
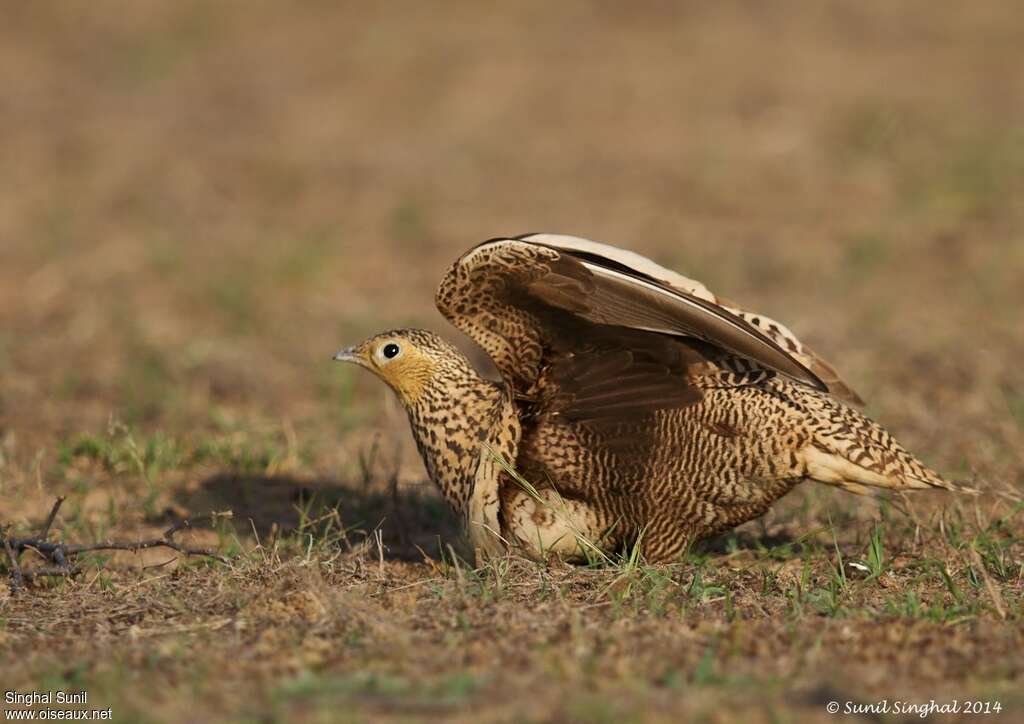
[[741, 540], [412, 522]]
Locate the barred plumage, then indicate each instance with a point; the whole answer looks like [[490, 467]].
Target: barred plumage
[[635, 404]]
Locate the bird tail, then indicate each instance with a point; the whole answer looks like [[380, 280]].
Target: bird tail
[[830, 468], [852, 452]]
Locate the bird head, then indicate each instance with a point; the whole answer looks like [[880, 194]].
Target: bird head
[[409, 360]]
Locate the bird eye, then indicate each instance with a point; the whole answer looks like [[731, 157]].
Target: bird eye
[[390, 350]]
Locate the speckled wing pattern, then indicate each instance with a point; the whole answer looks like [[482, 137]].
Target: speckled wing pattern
[[499, 292], [647, 405]]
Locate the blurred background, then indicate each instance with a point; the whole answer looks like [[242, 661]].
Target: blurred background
[[201, 201]]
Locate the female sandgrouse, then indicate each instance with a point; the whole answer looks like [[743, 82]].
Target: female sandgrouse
[[635, 407]]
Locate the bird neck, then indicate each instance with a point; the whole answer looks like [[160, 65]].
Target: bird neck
[[450, 422]]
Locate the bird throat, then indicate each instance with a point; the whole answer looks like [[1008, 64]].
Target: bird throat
[[450, 420]]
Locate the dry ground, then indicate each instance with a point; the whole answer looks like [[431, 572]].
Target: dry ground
[[200, 202]]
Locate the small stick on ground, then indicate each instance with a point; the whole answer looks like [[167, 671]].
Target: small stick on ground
[[61, 555], [17, 577], [50, 518]]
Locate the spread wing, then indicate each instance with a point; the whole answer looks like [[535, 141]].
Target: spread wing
[[530, 300], [776, 331]]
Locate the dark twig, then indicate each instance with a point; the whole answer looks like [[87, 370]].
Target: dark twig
[[136, 546], [62, 555], [62, 550], [53, 514], [17, 577], [51, 571]]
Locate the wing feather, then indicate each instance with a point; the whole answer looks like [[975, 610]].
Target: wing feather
[[520, 297], [775, 330], [614, 384]]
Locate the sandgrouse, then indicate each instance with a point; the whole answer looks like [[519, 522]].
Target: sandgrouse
[[635, 407]]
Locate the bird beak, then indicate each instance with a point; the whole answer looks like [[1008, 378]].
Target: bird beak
[[347, 355]]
